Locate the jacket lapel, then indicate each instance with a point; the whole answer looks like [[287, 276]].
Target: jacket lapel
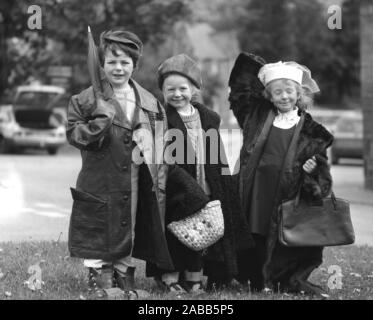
[[246, 173], [205, 123], [294, 146], [143, 98], [143, 134], [175, 121]]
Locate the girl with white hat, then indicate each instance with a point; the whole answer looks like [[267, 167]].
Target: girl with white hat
[[284, 149]]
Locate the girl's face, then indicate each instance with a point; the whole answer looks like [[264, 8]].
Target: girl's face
[[284, 94], [177, 91], [118, 68]]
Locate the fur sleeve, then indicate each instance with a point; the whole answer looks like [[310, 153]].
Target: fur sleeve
[[184, 196], [318, 185], [245, 87]]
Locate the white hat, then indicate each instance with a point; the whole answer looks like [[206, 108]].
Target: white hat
[[279, 70], [288, 70]]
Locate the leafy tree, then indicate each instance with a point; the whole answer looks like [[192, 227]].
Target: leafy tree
[[267, 31], [347, 51], [332, 55], [11, 24], [221, 14], [298, 30], [63, 37]]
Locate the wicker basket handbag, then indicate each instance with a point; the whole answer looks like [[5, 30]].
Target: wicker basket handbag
[[201, 229]]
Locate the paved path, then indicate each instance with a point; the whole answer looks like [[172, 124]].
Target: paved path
[[35, 201]]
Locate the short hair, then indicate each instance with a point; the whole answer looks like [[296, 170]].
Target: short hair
[[305, 99]]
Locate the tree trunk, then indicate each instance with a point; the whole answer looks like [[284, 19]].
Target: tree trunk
[[3, 58], [366, 73]]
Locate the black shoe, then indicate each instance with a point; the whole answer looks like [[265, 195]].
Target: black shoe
[[193, 287], [173, 288], [311, 289]]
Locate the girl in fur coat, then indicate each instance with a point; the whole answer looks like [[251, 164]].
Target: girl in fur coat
[[204, 160], [269, 102]]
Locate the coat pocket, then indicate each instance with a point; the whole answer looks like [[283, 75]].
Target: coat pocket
[[89, 222]]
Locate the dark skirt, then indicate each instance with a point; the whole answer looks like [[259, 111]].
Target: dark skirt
[[289, 267], [266, 179]]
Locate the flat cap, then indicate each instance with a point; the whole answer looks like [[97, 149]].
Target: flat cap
[[127, 38]]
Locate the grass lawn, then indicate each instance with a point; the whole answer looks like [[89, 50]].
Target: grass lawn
[[65, 278]]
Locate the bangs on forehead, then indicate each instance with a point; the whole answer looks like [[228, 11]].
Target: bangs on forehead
[[116, 50]]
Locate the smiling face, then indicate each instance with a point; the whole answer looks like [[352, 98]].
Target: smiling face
[[118, 68], [177, 91], [283, 94]]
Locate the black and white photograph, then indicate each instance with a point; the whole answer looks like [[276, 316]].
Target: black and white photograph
[[192, 156]]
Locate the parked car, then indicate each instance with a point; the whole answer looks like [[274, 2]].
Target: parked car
[[35, 119], [348, 136], [347, 128]]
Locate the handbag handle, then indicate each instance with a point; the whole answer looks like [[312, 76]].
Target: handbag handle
[[297, 198]]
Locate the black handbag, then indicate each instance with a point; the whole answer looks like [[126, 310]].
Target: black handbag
[[326, 223]]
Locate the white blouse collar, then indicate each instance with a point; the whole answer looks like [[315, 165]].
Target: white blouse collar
[[286, 120]]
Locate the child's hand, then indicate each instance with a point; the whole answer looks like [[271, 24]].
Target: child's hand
[[310, 165]]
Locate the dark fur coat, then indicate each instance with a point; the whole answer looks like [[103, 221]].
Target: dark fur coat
[[255, 115], [220, 260]]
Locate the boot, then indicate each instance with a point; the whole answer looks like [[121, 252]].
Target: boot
[[311, 288], [100, 279], [193, 287], [125, 281], [299, 282]]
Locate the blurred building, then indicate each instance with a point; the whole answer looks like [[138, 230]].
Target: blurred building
[[215, 52]]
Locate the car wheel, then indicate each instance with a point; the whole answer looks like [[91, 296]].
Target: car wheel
[[52, 151]]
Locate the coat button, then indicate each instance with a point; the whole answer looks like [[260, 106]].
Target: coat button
[[123, 223], [125, 197], [125, 168]]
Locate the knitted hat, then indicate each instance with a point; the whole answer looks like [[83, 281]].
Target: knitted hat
[[183, 65]]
